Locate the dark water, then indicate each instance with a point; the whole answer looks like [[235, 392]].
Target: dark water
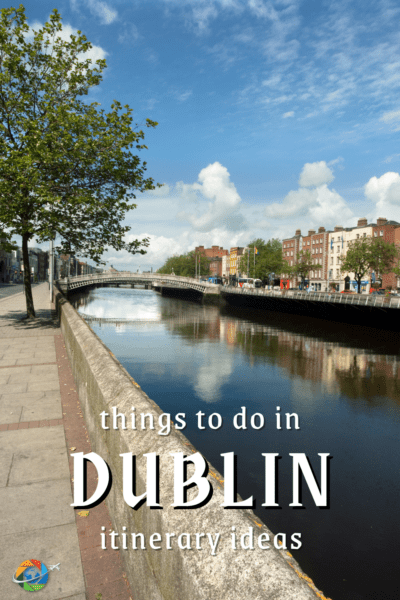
[[343, 383]]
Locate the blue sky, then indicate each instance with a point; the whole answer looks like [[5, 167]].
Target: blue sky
[[273, 115]]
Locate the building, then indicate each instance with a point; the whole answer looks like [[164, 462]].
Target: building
[[339, 241], [290, 248], [225, 266], [317, 244], [234, 260], [328, 248], [388, 230], [213, 252], [216, 254]]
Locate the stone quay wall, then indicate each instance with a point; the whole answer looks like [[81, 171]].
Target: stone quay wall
[[170, 574]]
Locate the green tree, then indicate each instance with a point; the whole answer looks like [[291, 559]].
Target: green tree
[[366, 254], [384, 257], [303, 265], [268, 260], [185, 265], [67, 167]]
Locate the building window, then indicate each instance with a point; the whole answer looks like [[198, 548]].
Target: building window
[[364, 235], [358, 235], [375, 233], [381, 232], [337, 272], [338, 249]]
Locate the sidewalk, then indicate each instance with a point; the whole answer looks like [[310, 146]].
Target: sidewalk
[[40, 423]]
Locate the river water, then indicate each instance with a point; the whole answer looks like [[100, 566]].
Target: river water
[[341, 381]]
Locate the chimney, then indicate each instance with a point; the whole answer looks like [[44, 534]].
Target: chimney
[[311, 232], [298, 232], [321, 229], [362, 222], [381, 221], [338, 228]]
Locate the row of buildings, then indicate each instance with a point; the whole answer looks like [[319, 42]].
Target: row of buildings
[[12, 268], [328, 248], [224, 263]]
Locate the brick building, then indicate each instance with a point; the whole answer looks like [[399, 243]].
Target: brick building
[[290, 248], [328, 248], [387, 230], [216, 253]]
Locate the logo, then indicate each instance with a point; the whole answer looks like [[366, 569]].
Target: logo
[[32, 574]]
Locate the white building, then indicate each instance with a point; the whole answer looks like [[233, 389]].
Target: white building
[[339, 241]]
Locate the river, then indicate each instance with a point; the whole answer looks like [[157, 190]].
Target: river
[[341, 381]]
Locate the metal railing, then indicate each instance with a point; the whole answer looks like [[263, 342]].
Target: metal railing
[[337, 298], [120, 277]]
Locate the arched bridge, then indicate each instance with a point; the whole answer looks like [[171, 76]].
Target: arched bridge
[[126, 277]]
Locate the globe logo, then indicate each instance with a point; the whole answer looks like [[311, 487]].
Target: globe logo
[[32, 575]]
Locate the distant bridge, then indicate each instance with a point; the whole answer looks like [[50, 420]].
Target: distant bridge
[[154, 280]]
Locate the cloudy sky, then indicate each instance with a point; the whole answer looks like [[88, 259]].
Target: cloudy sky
[[273, 114]]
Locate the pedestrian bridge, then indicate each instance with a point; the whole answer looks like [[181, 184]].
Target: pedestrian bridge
[[154, 280]]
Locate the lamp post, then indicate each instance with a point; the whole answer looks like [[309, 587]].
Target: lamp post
[[51, 269]]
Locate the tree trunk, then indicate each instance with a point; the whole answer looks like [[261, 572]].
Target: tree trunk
[[30, 310]]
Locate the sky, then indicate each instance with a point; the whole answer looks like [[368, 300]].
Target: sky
[[273, 115]]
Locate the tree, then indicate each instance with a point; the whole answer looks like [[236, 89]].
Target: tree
[[185, 265], [303, 265], [268, 260], [67, 167], [367, 254], [383, 256], [357, 259]]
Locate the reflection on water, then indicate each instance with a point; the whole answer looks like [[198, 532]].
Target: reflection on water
[[344, 384]]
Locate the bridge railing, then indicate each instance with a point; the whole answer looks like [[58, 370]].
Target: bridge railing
[[129, 277], [337, 298]]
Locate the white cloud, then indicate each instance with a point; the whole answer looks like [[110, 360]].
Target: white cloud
[[95, 53], [319, 205], [100, 9], [392, 118], [286, 115], [222, 211], [315, 174], [384, 192], [184, 96], [313, 204], [214, 371], [129, 34]]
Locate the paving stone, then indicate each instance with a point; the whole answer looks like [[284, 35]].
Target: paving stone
[[10, 412], [40, 411], [43, 386], [5, 466], [38, 455], [35, 506], [14, 388]]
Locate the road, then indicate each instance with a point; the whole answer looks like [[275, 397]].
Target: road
[[8, 289]]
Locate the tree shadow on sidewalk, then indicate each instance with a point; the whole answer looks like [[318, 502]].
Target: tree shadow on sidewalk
[[45, 318]]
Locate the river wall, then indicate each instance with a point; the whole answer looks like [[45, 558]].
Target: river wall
[[378, 313], [173, 574]]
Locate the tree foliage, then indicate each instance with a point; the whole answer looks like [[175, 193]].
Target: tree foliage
[[185, 265], [268, 260], [304, 265], [370, 254], [67, 167]]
